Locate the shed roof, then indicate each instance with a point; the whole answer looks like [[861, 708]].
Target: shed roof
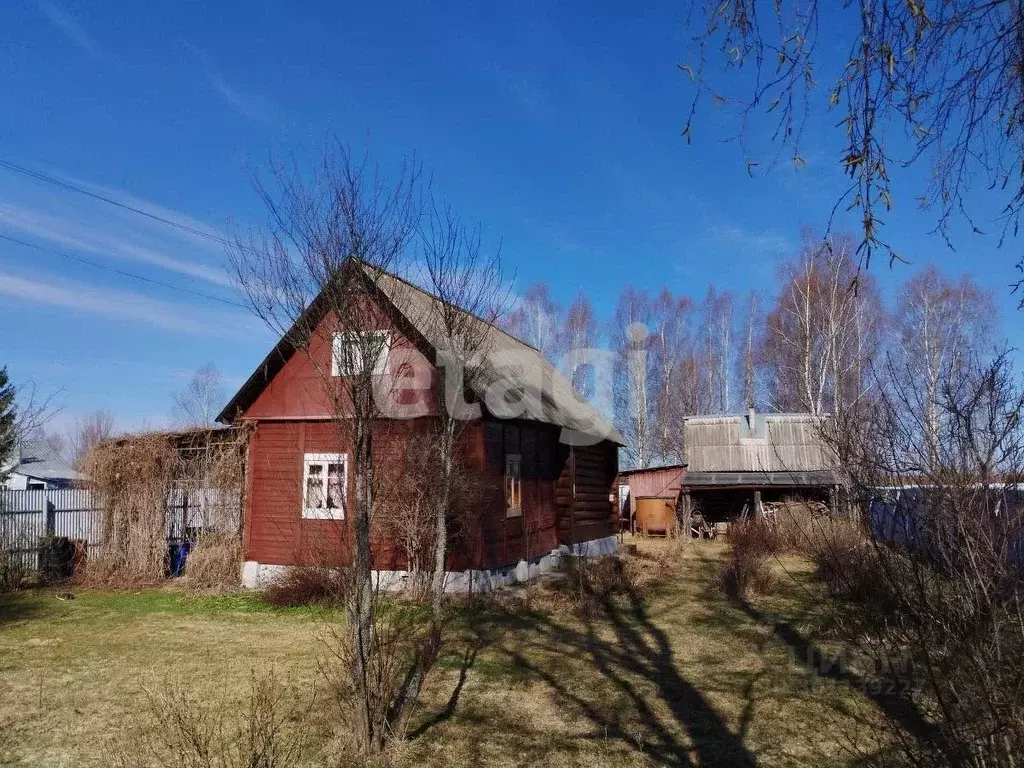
[[39, 460], [763, 443], [510, 362]]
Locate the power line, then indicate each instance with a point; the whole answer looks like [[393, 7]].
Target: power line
[[40, 176], [125, 273]]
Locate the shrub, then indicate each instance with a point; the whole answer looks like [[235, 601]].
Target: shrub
[[215, 562], [309, 585], [186, 732], [752, 544]]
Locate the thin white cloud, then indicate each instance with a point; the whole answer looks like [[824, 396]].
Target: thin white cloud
[[74, 31], [103, 242], [248, 105], [766, 240], [125, 305]]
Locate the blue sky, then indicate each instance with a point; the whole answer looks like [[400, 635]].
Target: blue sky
[[557, 127]]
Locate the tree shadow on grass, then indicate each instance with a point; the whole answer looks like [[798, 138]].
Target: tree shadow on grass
[[637, 660], [21, 605], [893, 703]]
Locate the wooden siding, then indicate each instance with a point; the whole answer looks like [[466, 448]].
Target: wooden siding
[[300, 390], [275, 531], [583, 492], [507, 540]]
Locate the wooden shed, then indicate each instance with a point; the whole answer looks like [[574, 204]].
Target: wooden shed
[[546, 472], [738, 462], [663, 483]]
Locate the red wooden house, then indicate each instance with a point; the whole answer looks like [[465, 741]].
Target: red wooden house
[[546, 465]]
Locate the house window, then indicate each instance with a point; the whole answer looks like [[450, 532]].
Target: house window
[[324, 480], [35, 485], [349, 349], [513, 485]]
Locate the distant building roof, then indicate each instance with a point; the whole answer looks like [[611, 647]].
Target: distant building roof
[[775, 444], [39, 460]]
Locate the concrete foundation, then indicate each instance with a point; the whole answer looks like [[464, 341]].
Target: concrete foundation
[[258, 575]]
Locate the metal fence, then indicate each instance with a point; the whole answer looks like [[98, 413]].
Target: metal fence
[[28, 519]]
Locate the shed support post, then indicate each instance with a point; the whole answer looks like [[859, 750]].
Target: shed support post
[[758, 509]]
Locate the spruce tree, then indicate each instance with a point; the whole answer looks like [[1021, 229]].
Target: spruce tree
[[8, 437]]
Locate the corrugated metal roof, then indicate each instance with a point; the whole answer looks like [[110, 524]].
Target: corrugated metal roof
[[783, 442], [39, 460]]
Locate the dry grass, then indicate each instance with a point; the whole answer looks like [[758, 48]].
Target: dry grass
[[683, 675]]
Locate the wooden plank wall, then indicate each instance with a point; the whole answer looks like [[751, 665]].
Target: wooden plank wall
[[584, 489]]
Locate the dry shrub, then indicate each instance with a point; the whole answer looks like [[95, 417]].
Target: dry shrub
[[588, 585], [135, 476], [308, 586], [184, 731], [793, 524], [753, 544], [404, 646], [214, 562], [132, 480]]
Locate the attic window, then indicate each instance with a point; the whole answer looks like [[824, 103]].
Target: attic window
[[324, 482], [350, 348]]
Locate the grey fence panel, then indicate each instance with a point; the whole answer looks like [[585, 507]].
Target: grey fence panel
[[28, 517]]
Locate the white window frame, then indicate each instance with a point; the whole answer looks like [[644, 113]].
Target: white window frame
[[342, 337], [516, 483], [324, 460]]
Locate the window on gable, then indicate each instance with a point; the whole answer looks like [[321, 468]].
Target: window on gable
[[513, 485], [324, 481], [350, 348]]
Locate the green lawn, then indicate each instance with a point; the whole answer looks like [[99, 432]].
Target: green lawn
[[681, 677]]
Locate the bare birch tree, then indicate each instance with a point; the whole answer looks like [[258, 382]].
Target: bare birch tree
[[633, 407], [748, 359], [199, 403], [579, 332], [822, 332], [940, 323], [716, 331], [535, 319], [674, 394]]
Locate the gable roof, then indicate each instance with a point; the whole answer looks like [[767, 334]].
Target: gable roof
[[757, 442], [39, 460], [510, 362]]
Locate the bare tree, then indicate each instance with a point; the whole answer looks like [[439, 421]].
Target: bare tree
[[931, 599], [579, 332], [468, 297], [748, 359], [940, 325], [716, 332], [673, 394], [822, 332], [87, 432], [633, 407], [535, 319], [312, 273], [199, 403], [935, 83]]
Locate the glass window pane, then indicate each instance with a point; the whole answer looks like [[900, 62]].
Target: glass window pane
[[335, 486]]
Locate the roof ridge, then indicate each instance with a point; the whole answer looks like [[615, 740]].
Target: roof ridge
[[435, 297]]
